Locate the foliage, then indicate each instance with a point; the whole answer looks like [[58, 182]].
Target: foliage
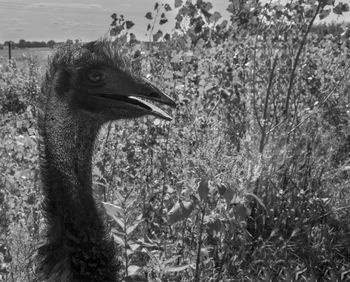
[[20, 195], [248, 183], [120, 25]]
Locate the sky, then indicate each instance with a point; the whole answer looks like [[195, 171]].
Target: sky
[[43, 20]]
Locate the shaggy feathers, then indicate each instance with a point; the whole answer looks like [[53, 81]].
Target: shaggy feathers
[[78, 247], [84, 87]]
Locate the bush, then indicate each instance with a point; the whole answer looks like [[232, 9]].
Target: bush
[[249, 182]]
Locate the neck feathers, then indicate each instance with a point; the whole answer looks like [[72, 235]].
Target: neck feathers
[[78, 246]]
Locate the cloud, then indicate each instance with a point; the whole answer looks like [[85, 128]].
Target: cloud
[[64, 24], [17, 29], [73, 24], [66, 5], [94, 25]]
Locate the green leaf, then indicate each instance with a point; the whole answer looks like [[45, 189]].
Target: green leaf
[[119, 240], [241, 212], [167, 7], [214, 225], [215, 17], [133, 269], [178, 3], [120, 223], [149, 15], [134, 246], [228, 195], [203, 189], [207, 6], [204, 252], [325, 13], [129, 24], [180, 211], [156, 6], [158, 35], [171, 260], [147, 244], [117, 232], [131, 229], [257, 199], [132, 37], [341, 8], [222, 189], [177, 268], [230, 8], [167, 37], [113, 211], [163, 21]]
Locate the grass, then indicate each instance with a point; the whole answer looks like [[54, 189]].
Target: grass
[[21, 55]]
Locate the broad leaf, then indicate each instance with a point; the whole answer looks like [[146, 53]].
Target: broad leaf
[[149, 16], [257, 199], [214, 225], [133, 269], [163, 21], [113, 211], [177, 268], [167, 7], [222, 189], [180, 211], [203, 189], [228, 195], [131, 228], [158, 35], [341, 8], [215, 17], [129, 24], [119, 240], [178, 3], [156, 6], [134, 246], [242, 212]]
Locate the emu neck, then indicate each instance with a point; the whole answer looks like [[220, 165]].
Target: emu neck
[[69, 147], [78, 244]]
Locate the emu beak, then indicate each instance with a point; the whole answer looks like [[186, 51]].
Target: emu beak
[[145, 90], [129, 93]]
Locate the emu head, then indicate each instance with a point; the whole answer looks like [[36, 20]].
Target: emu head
[[94, 80]]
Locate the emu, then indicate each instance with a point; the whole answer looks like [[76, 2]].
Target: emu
[[85, 86]]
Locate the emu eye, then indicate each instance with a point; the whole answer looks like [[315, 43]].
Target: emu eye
[[96, 76]]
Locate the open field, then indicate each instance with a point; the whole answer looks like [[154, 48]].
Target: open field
[[39, 54]]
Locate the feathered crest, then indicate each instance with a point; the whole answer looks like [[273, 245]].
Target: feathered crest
[[103, 51]]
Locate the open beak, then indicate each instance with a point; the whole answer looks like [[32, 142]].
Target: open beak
[[132, 94], [145, 90]]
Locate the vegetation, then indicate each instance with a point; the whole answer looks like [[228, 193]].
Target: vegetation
[[36, 44], [250, 182]]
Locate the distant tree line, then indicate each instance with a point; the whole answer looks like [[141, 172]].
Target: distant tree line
[[34, 44]]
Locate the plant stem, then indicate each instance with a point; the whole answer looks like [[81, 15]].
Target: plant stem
[[266, 105], [197, 275], [296, 61]]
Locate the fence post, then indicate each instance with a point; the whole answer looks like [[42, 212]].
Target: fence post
[[9, 44]]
